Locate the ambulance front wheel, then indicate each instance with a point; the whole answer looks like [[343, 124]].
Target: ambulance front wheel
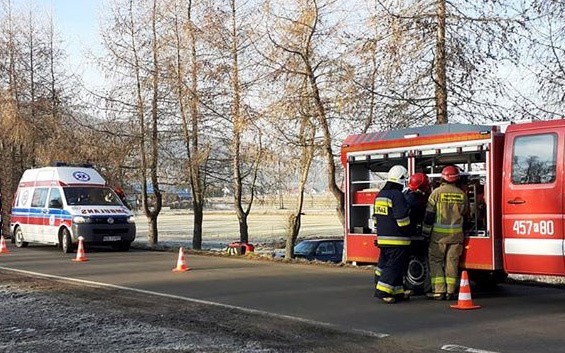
[[19, 238], [65, 241]]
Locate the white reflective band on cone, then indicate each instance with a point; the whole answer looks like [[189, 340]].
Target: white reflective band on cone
[[464, 296]]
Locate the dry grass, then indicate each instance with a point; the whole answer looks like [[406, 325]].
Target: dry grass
[[267, 223]]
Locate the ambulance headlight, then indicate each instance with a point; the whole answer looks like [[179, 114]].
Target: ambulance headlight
[[131, 219], [81, 219]]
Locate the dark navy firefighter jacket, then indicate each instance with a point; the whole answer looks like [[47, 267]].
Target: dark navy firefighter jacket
[[391, 214]]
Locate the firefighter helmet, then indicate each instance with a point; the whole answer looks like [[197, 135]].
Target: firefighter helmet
[[418, 181], [450, 174], [398, 174]]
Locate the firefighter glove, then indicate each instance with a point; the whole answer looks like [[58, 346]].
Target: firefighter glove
[[426, 231]]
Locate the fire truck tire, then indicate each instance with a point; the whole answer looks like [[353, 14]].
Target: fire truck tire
[[417, 276], [487, 280], [19, 238], [65, 241]]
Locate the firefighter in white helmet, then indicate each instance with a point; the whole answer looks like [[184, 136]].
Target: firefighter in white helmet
[[447, 209], [391, 214]]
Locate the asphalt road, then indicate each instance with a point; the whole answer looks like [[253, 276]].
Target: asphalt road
[[515, 318]]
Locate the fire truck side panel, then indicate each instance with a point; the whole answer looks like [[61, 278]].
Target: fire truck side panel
[[361, 248], [368, 157], [532, 200]]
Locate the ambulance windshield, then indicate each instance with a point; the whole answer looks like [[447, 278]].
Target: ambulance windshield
[[91, 196]]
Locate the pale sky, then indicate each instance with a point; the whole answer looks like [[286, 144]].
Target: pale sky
[[76, 21]]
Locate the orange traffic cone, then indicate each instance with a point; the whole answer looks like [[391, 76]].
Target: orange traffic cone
[[181, 264], [465, 302], [81, 257], [3, 247]]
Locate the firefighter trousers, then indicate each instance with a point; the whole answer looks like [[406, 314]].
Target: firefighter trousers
[[444, 262], [393, 262]]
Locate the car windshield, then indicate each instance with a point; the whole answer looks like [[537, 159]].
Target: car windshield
[[304, 248], [91, 196]]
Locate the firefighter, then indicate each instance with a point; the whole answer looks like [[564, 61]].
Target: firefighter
[[446, 212], [122, 195], [391, 214], [417, 195]]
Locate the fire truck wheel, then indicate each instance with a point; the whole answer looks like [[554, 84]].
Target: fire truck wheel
[[417, 277], [65, 241], [19, 238]]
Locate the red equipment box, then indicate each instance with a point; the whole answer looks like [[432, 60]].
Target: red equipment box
[[364, 197]]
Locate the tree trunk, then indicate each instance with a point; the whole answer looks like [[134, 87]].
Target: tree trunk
[[294, 221], [243, 227], [440, 64], [198, 210], [153, 230]]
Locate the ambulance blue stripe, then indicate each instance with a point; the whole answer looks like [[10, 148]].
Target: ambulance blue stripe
[[37, 213]]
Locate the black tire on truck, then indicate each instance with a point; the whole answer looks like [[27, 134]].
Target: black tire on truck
[[417, 276]]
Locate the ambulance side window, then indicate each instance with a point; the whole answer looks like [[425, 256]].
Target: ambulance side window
[[39, 197], [23, 197], [55, 200], [534, 159]]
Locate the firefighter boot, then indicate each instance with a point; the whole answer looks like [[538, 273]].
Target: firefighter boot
[[389, 300], [436, 296]]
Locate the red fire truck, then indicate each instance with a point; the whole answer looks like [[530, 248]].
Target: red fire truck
[[515, 179]]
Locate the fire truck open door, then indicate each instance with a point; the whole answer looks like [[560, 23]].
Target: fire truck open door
[[533, 201]]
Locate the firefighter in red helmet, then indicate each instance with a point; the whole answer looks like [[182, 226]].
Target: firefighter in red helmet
[[446, 211], [417, 195], [419, 181]]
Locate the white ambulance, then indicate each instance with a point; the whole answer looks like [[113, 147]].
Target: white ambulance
[[56, 205]]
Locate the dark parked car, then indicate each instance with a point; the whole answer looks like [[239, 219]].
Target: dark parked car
[[320, 249]]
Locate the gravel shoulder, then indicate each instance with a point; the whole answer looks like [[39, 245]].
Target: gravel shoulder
[[48, 316]]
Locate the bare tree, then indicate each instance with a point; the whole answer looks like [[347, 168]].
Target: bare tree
[[297, 34], [453, 49], [307, 148], [30, 74], [134, 54], [545, 60], [233, 39], [187, 72]]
